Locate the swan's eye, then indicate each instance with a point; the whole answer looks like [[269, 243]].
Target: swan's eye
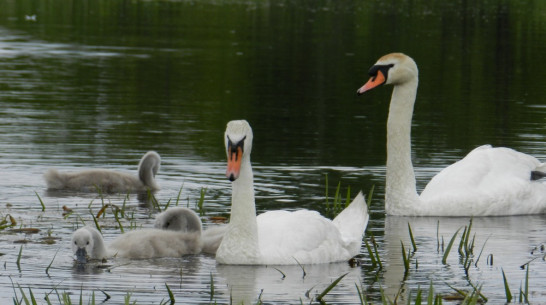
[[75, 243], [88, 242], [167, 224]]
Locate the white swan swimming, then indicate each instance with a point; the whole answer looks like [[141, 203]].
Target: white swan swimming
[[87, 243], [108, 180], [488, 181], [183, 219], [281, 237]]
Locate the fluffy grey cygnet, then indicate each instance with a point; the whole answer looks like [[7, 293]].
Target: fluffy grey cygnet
[[108, 181], [178, 218], [88, 244]]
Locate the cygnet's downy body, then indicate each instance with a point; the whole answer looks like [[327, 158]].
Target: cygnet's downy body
[[88, 244], [107, 180], [183, 219]]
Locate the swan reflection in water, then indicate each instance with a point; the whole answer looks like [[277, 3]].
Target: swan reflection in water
[[507, 241], [288, 284]]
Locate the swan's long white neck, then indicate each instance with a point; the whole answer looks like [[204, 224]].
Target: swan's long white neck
[[400, 193], [240, 244]]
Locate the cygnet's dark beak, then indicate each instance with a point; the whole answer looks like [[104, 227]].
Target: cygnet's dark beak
[[81, 256]]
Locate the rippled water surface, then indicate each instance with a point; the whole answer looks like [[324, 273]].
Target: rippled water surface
[[98, 83]]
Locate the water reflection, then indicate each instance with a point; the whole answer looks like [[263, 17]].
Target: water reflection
[[500, 243], [285, 284]]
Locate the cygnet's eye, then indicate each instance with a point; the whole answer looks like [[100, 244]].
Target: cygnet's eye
[[167, 224]]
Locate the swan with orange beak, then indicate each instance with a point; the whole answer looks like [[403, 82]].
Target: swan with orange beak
[[281, 237]]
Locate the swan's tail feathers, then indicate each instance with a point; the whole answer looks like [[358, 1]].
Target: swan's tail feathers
[[536, 175], [54, 179], [353, 220], [148, 168]]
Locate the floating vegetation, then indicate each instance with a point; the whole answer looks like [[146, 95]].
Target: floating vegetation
[[26, 230], [7, 222]]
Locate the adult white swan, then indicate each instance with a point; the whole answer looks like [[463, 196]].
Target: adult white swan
[[281, 237], [87, 243], [108, 180], [488, 181]]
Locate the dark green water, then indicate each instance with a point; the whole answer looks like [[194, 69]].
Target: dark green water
[[98, 83]]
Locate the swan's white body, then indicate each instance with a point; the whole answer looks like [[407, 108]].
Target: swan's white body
[[281, 237], [487, 182], [108, 180], [87, 243]]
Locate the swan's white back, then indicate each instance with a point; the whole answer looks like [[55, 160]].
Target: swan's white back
[[488, 181]]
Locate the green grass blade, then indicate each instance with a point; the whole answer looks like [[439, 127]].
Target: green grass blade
[[211, 287], [171, 295], [49, 266], [179, 193], [413, 244], [449, 245], [506, 288], [370, 194], [19, 258], [96, 223], [370, 254], [526, 287], [418, 298], [200, 203], [430, 298], [330, 287], [41, 202], [405, 258], [361, 295], [348, 197], [326, 194]]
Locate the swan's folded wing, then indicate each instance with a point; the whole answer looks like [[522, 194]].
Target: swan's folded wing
[[500, 176], [302, 235]]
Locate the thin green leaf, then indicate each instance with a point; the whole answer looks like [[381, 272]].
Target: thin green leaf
[[506, 288], [449, 245], [330, 287]]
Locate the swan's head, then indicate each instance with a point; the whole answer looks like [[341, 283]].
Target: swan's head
[[178, 219], [392, 69], [238, 142], [82, 245]]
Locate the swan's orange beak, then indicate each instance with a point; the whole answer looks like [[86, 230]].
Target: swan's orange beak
[[374, 81], [234, 162]]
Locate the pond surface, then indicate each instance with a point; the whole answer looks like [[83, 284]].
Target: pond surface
[[98, 83]]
